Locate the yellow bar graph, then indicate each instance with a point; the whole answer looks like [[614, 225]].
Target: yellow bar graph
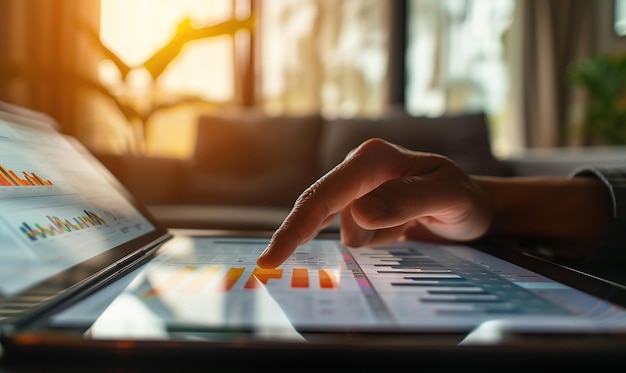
[[260, 276]]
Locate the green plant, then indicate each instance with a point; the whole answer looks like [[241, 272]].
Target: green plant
[[603, 78]]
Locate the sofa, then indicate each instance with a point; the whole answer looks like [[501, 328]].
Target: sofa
[[249, 167], [252, 159], [248, 158]]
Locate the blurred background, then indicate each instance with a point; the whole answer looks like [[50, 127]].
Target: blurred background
[[136, 77]]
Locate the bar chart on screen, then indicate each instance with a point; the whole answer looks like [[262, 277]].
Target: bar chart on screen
[[194, 279], [229, 265], [9, 177], [217, 282], [24, 173], [55, 226]]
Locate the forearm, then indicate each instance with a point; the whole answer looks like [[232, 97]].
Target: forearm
[[569, 215]]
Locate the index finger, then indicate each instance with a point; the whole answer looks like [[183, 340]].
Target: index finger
[[370, 165]]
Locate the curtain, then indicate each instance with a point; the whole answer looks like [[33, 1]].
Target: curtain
[[324, 56], [333, 57], [553, 34], [457, 61], [41, 57], [507, 58], [456, 56]]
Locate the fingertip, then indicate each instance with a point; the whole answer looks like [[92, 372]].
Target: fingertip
[[274, 255], [265, 259], [263, 262]]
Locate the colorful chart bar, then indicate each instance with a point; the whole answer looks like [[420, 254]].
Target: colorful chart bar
[[10, 178], [59, 226]]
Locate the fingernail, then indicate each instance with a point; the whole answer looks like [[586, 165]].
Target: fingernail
[[267, 248]]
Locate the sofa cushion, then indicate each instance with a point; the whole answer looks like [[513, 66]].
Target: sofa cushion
[[462, 137], [248, 141], [248, 157]]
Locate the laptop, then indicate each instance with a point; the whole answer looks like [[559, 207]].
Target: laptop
[[87, 274]]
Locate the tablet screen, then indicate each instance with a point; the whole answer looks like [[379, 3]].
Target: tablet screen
[[63, 217], [212, 285]]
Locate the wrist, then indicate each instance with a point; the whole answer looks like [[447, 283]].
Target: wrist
[[612, 248], [567, 215]]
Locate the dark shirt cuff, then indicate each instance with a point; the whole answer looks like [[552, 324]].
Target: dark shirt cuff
[[613, 249]]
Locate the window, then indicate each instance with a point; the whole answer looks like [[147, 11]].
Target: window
[[456, 57], [314, 56], [620, 17], [134, 30], [324, 56]]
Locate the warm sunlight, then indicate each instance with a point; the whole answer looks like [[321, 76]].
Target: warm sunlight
[[135, 29]]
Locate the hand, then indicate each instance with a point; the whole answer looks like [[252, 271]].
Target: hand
[[386, 193]]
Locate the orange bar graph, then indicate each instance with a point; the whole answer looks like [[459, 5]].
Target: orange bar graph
[[6, 176], [202, 279], [178, 281], [327, 279], [31, 179], [260, 276], [10, 178], [231, 277], [41, 181], [4, 181], [300, 278], [171, 282], [17, 179]]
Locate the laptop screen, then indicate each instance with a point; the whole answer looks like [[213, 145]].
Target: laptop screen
[[57, 209]]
